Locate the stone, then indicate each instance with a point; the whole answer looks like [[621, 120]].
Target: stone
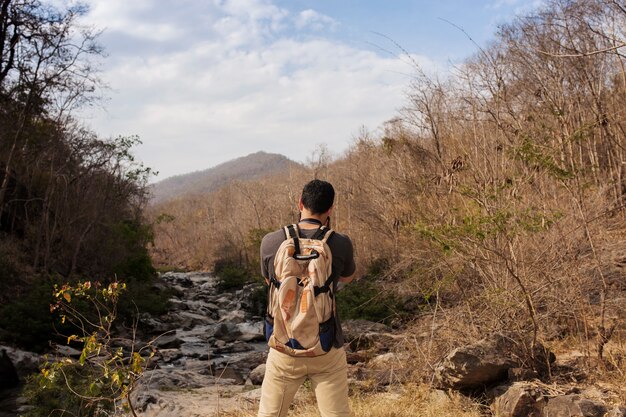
[[233, 315], [8, 373], [363, 334], [25, 363], [573, 406], [521, 399], [360, 356], [197, 350], [67, 351], [387, 360], [251, 332], [195, 319], [228, 332], [171, 379], [257, 374], [616, 412], [476, 366], [228, 373], [169, 355], [167, 341], [234, 347], [197, 366], [521, 374], [243, 362]]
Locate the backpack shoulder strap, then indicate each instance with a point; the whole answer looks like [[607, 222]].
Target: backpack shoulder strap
[[291, 232], [324, 233]]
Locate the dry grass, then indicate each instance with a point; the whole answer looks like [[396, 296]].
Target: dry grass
[[409, 400]]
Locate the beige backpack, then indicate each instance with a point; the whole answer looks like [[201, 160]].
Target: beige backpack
[[301, 307]]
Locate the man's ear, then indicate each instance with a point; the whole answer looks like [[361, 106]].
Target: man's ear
[[330, 210], [300, 204]]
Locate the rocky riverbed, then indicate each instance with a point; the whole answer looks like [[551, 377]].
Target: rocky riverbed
[[207, 348], [209, 354]]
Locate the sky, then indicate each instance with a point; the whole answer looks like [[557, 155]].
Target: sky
[[204, 81]]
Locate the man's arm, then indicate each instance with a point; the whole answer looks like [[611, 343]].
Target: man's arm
[[349, 267], [348, 279]]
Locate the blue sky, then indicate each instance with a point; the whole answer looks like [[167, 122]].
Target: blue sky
[[203, 82]]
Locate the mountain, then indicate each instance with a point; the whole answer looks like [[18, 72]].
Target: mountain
[[248, 167]]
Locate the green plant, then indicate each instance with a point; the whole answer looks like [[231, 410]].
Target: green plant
[[25, 320], [104, 375], [231, 276], [366, 300]]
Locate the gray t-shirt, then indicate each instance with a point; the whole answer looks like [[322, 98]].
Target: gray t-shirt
[[343, 261]]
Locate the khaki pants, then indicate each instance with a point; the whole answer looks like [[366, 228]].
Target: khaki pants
[[284, 374]]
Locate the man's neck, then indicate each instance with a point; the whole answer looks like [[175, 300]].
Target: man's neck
[[305, 214]]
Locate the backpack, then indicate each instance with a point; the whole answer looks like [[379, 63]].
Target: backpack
[[301, 306]]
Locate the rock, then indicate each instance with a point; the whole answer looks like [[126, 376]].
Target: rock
[[521, 374], [169, 355], [223, 375], [363, 334], [171, 379], [616, 412], [257, 374], [233, 316], [360, 356], [193, 319], [251, 332], [385, 369], [353, 328], [8, 373], [244, 362], [227, 332], [167, 341], [144, 400], [197, 366], [67, 351], [198, 350], [8, 402], [573, 406], [476, 366], [25, 362], [388, 360], [152, 325], [520, 400], [439, 397], [380, 377], [235, 347]]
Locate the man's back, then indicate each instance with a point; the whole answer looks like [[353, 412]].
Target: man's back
[[328, 372], [343, 261]]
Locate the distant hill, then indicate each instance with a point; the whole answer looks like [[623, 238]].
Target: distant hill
[[248, 167]]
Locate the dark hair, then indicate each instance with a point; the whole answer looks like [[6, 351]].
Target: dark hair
[[318, 196]]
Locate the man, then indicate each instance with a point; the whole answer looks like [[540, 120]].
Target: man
[[328, 373]]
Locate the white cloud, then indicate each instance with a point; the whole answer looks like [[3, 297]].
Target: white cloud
[[313, 20], [242, 79]]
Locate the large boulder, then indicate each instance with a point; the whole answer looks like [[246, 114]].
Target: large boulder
[[534, 399], [24, 362], [574, 406], [484, 363], [522, 399], [8, 373]]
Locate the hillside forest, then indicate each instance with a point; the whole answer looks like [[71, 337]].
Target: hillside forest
[[71, 203], [494, 201]]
